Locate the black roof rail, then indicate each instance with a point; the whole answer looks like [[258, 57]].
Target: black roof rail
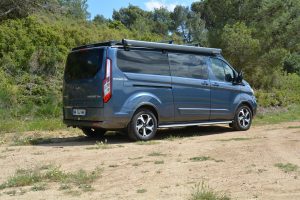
[[109, 43], [175, 47], [153, 45]]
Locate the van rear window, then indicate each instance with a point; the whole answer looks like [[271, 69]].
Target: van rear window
[[144, 62], [83, 64]]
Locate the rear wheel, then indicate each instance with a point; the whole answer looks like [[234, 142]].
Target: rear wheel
[[143, 125], [243, 118], [93, 132]]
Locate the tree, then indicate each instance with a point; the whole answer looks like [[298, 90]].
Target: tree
[[100, 19], [75, 8], [179, 22], [189, 25], [278, 23], [217, 14], [197, 30], [162, 21], [238, 44], [19, 8], [292, 63], [128, 16]]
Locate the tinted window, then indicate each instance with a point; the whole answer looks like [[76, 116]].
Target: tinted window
[[228, 71], [83, 64], [145, 62], [221, 71], [189, 65]]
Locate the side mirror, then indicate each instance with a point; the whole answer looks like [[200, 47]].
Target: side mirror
[[240, 77], [228, 78]]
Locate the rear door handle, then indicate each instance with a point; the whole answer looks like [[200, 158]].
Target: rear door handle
[[204, 83]]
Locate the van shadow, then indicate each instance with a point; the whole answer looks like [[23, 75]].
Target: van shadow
[[121, 138]]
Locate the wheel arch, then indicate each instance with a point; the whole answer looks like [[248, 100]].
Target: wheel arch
[[245, 103], [147, 106]]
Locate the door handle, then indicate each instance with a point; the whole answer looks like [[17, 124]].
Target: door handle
[[204, 83], [215, 84]]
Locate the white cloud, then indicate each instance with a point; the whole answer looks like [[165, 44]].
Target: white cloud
[[156, 4]]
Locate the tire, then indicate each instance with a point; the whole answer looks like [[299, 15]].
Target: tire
[[93, 132], [143, 125], [242, 119]]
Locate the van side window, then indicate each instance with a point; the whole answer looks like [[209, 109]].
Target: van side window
[[188, 65], [144, 62], [221, 71]]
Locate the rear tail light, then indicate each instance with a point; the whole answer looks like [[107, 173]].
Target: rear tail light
[[107, 82]]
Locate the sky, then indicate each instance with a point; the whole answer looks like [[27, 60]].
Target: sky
[[106, 7]]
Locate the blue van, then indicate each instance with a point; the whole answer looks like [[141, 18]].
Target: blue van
[[143, 86]]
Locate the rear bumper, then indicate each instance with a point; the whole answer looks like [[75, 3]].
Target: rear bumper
[[109, 125], [76, 123]]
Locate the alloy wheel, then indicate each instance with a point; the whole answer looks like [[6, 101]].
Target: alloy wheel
[[244, 117], [145, 125]]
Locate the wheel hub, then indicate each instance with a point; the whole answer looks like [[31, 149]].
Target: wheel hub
[[244, 117], [144, 125]]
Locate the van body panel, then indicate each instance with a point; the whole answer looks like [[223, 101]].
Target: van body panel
[[191, 99], [247, 96], [191, 86], [224, 96], [153, 90]]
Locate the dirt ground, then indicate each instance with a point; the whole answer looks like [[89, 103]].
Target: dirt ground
[[240, 164]]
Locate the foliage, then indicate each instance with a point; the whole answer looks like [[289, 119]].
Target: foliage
[[285, 91], [241, 51], [204, 192], [289, 114], [32, 56], [289, 167], [18, 8], [50, 173], [75, 8], [257, 36]]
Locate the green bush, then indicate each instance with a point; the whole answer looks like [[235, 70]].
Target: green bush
[[33, 51], [286, 91]]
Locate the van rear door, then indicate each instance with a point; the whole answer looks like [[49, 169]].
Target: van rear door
[[83, 79]]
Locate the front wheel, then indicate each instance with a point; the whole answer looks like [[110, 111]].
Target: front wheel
[[143, 125], [93, 132], [243, 118]]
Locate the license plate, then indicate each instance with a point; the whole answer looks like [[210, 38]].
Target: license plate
[[79, 112]]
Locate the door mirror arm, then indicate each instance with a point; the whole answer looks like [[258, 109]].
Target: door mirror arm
[[239, 78]]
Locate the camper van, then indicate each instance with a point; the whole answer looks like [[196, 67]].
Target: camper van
[[139, 87]]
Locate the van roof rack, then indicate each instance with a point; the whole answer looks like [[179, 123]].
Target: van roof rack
[[174, 47], [153, 45]]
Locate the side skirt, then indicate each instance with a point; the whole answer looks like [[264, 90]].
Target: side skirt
[[193, 124]]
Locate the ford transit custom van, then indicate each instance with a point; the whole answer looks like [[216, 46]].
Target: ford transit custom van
[[142, 86]]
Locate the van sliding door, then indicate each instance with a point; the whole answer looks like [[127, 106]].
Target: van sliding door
[[191, 87]]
